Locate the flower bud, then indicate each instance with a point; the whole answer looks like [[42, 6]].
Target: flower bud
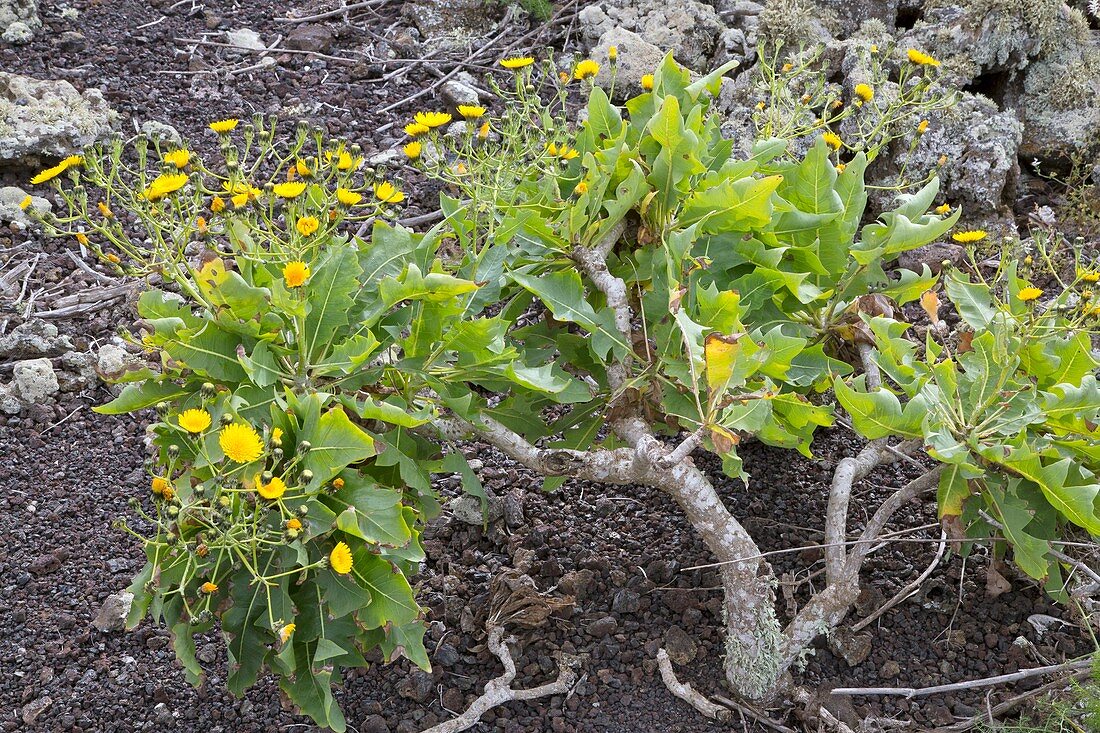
[[303, 510], [307, 475], [173, 450], [277, 453], [163, 408], [223, 500], [173, 511], [226, 418], [304, 446], [208, 390]]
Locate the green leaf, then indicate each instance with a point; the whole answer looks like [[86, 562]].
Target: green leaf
[[261, 366], [183, 642], [878, 414], [406, 640], [342, 593], [973, 300], [136, 397], [391, 596], [209, 351], [1028, 550], [371, 513], [311, 691], [1077, 503], [436, 287], [330, 293], [336, 443], [737, 205], [563, 294]]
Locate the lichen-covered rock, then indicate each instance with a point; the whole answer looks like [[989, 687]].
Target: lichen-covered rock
[[850, 14], [636, 58], [33, 381], [798, 23], [1059, 103], [32, 340], [48, 118], [688, 28], [19, 18], [449, 22], [976, 144], [11, 198]]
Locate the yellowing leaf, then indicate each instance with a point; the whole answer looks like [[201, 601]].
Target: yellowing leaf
[[723, 440], [720, 353], [930, 302]]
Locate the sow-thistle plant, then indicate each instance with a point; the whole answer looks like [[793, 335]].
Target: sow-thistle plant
[[635, 270], [892, 103], [286, 493]]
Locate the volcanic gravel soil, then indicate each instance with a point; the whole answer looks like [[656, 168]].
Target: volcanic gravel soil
[[65, 474]]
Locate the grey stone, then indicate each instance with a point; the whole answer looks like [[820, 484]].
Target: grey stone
[[33, 709], [460, 90], [112, 614], [33, 339], [10, 210], [978, 144], [449, 23], [160, 131], [245, 38], [310, 37], [374, 724], [78, 371], [417, 685], [890, 669], [636, 58], [34, 380], [625, 601], [688, 28], [850, 14], [48, 118], [113, 361], [21, 13], [932, 256], [18, 34], [163, 714], [603, 627], [9, 403], [467, 509], [681, 647]]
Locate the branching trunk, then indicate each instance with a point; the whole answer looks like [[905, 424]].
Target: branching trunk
[[758, 650]]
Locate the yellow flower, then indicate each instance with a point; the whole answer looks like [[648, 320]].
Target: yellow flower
[[865, 92], [295, 274], [874, 48], [105, 210], [217, 204], [289, 190], [241, 443], [413, 149], [787, 68], [920, 58], [276, 436], [470, 111], [840, 167], [307, 225], [760, 106], [483, 131], [294, 523], [415, 129], [82, 238], [388, 193], [586, 69], [209, 587], [338, 482], [348, 198], [943, 209], [345, 162], [976, 235], [552, 149], [302, 168], [832, 140], [432, 119], [1029, 294], [57, 170], [165, 184], [241, 193], [647, 82], [922, 127], [111, 257], [568, 153], [194, 421], [285, 632], [25, 203], [340, 558], [1089, 276], [179, 158], [612, 53], [517, 62], [563, 77], [159, 485], [273, 489], [224, 126], [581, 188]]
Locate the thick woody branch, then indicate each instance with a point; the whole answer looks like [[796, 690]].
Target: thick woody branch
[[881, 518], [608, 466], [683, 450], [593, 262], [498, 691], [687, 693]]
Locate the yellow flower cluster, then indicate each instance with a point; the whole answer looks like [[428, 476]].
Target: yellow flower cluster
[[920, 58], [240, 443], [289, 190], [586, 69], [976, 235], [194, 421], [387, 193], [517, 62], [165, 184], [72, 161], [295, 274], [340, 559]]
